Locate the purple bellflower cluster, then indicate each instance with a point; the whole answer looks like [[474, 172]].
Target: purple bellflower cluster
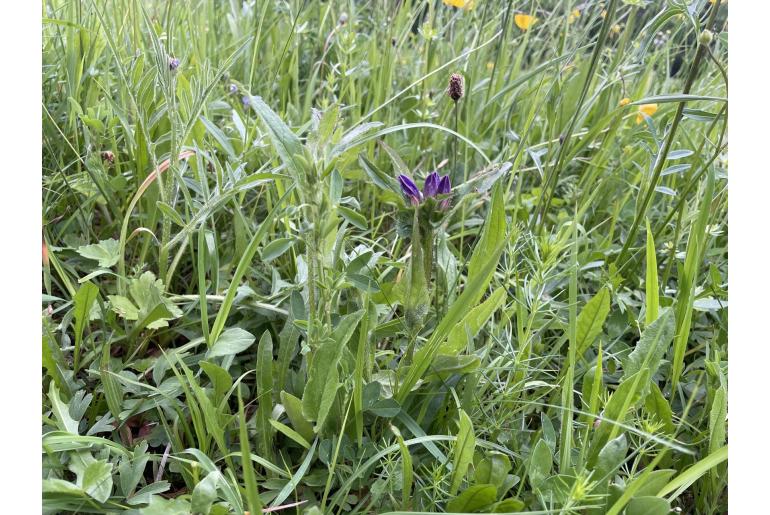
[[434, 185]]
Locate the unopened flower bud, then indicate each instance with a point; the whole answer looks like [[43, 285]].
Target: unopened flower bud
[[108, 157], [706, 37]]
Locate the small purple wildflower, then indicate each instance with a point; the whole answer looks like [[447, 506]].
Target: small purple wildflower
[[431, 185], [246, 101], [173, 63], [409, 188], [435, 185], [444, 185], [233, 89]]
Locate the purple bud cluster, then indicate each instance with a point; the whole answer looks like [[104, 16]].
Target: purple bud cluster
[[434, 185]]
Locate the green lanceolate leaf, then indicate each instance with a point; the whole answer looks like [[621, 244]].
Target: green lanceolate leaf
[[651, 295], [591, 320], [472, 323], [652, 346], [540, 464], [473, 499], [463, 452], [286, 143]]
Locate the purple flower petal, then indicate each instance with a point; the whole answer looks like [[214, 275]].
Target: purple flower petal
[[431, 185], [444, 186], [409, 188]]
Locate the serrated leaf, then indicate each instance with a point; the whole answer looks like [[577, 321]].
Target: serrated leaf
[[106, 252]]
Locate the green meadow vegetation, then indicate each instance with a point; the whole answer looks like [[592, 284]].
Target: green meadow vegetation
[[367, 256]]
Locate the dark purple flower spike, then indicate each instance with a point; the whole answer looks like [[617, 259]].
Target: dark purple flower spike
[[431, 185], [409, 188]]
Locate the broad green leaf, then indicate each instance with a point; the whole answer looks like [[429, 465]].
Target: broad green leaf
[[652, 345], [97, 480], [510, 505], [276, 248], [591, 320], [353, 217], [290, 433], [654, 481], [61, 411], [123, 307], [493, 469], [718, 420], [170, 213], [233, 341], [472, 323], [462, 455], [616, 411], [445, 366], [106, 252], [220, 379], [205, 493], [473, 499], [219, 136], [286, 143], [493, 234], [84, 300], [648, 505], [610, 458], [540, 464], [407, 473], [294, 411]]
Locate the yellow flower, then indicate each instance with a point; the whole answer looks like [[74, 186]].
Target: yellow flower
[[624, 102], [646, 110], [604, 13], [574, 15], [490, 66], [462, 4], [616, 29], [524, 21]]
